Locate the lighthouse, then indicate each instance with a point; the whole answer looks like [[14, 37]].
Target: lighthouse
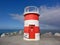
[[31, 24]]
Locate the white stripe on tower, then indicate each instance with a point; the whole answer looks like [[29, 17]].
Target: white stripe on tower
[[26, 35], [37, 36], [28, 22]]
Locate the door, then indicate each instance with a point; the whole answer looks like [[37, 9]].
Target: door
[[31, 32]]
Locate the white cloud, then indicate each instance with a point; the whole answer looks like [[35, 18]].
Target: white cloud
[[45, 26], [50, 15], [17, 17]]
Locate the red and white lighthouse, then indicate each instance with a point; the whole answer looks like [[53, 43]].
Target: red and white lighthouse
[[31, 23]]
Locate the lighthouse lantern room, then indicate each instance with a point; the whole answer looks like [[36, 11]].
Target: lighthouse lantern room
[[31, 24]]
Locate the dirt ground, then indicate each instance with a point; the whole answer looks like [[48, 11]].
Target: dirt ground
[[18, 40]]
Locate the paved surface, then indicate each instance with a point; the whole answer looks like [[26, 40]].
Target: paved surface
[[18, 40]]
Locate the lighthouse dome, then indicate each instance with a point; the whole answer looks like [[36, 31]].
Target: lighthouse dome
[[31, 9]]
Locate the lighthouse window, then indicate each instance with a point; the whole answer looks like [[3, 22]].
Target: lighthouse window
[[31, 26], [31, 9]]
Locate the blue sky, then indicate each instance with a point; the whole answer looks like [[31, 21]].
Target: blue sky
[[11, 13]]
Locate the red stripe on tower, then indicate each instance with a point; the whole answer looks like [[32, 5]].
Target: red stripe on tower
[[31, 16], [31, 24]]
